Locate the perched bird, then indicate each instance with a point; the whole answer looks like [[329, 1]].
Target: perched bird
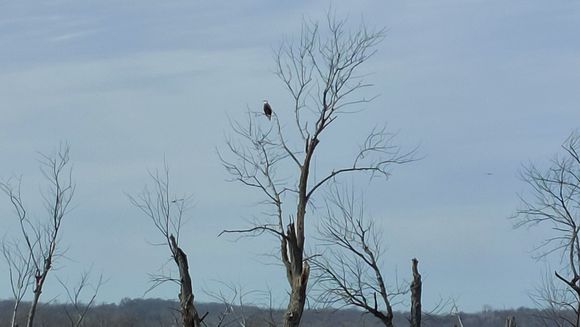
[[267, 110]]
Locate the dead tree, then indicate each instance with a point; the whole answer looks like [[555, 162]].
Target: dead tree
[[321, 72], [349, 271], [41, 239], [235, 306], [555, 300], [74, 295], [554, 201], [166, 212], [416, 287], [20, 271]]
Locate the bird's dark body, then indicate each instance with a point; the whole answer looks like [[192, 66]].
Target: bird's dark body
[[267, 110]]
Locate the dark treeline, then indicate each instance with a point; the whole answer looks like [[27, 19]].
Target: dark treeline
[[163, 313]]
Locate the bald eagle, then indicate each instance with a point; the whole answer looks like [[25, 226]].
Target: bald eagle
[[267, 110]]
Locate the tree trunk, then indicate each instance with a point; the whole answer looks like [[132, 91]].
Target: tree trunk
[[33, 305], [40, 278], [14, 312], [297, 269], [295, 308], [189, 315], [416, 296], [510, 321], [577, 311], [387, 321]]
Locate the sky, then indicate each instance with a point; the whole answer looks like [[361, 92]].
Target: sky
[[481, 87]]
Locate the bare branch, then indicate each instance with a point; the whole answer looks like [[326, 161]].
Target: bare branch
[[554, 200], [42, 238], [166, 211], [20, 271], [349, 272], [74, 294]]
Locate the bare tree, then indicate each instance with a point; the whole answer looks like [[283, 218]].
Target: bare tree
[[321, 72], [74, 294], [349, 271], [555, 300], [20, 271], [235, 306], [41, 239], [554, 201], [166, 211]]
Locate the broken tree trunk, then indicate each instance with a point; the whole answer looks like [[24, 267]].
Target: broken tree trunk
[[295, 308], [416, 296], [189, 315], [297, 272]]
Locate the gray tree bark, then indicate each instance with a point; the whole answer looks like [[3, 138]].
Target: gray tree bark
[[14, 313], [297, 269], [189, 315], [37, 291], [416, 286]]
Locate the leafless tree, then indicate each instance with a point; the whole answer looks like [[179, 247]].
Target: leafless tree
[[74, 294], [166, 211], [555, 300], [234, 300], [41, 239], [554, 201], [349, 271], [20, 271], [321, 72]]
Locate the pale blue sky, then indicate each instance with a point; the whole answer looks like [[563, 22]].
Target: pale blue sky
[[482, 86]]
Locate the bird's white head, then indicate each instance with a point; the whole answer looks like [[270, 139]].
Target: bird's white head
[[265, 101]]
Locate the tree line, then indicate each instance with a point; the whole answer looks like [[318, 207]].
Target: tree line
[[165, 313]]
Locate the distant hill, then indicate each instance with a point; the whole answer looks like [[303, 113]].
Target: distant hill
[[163, 313]]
